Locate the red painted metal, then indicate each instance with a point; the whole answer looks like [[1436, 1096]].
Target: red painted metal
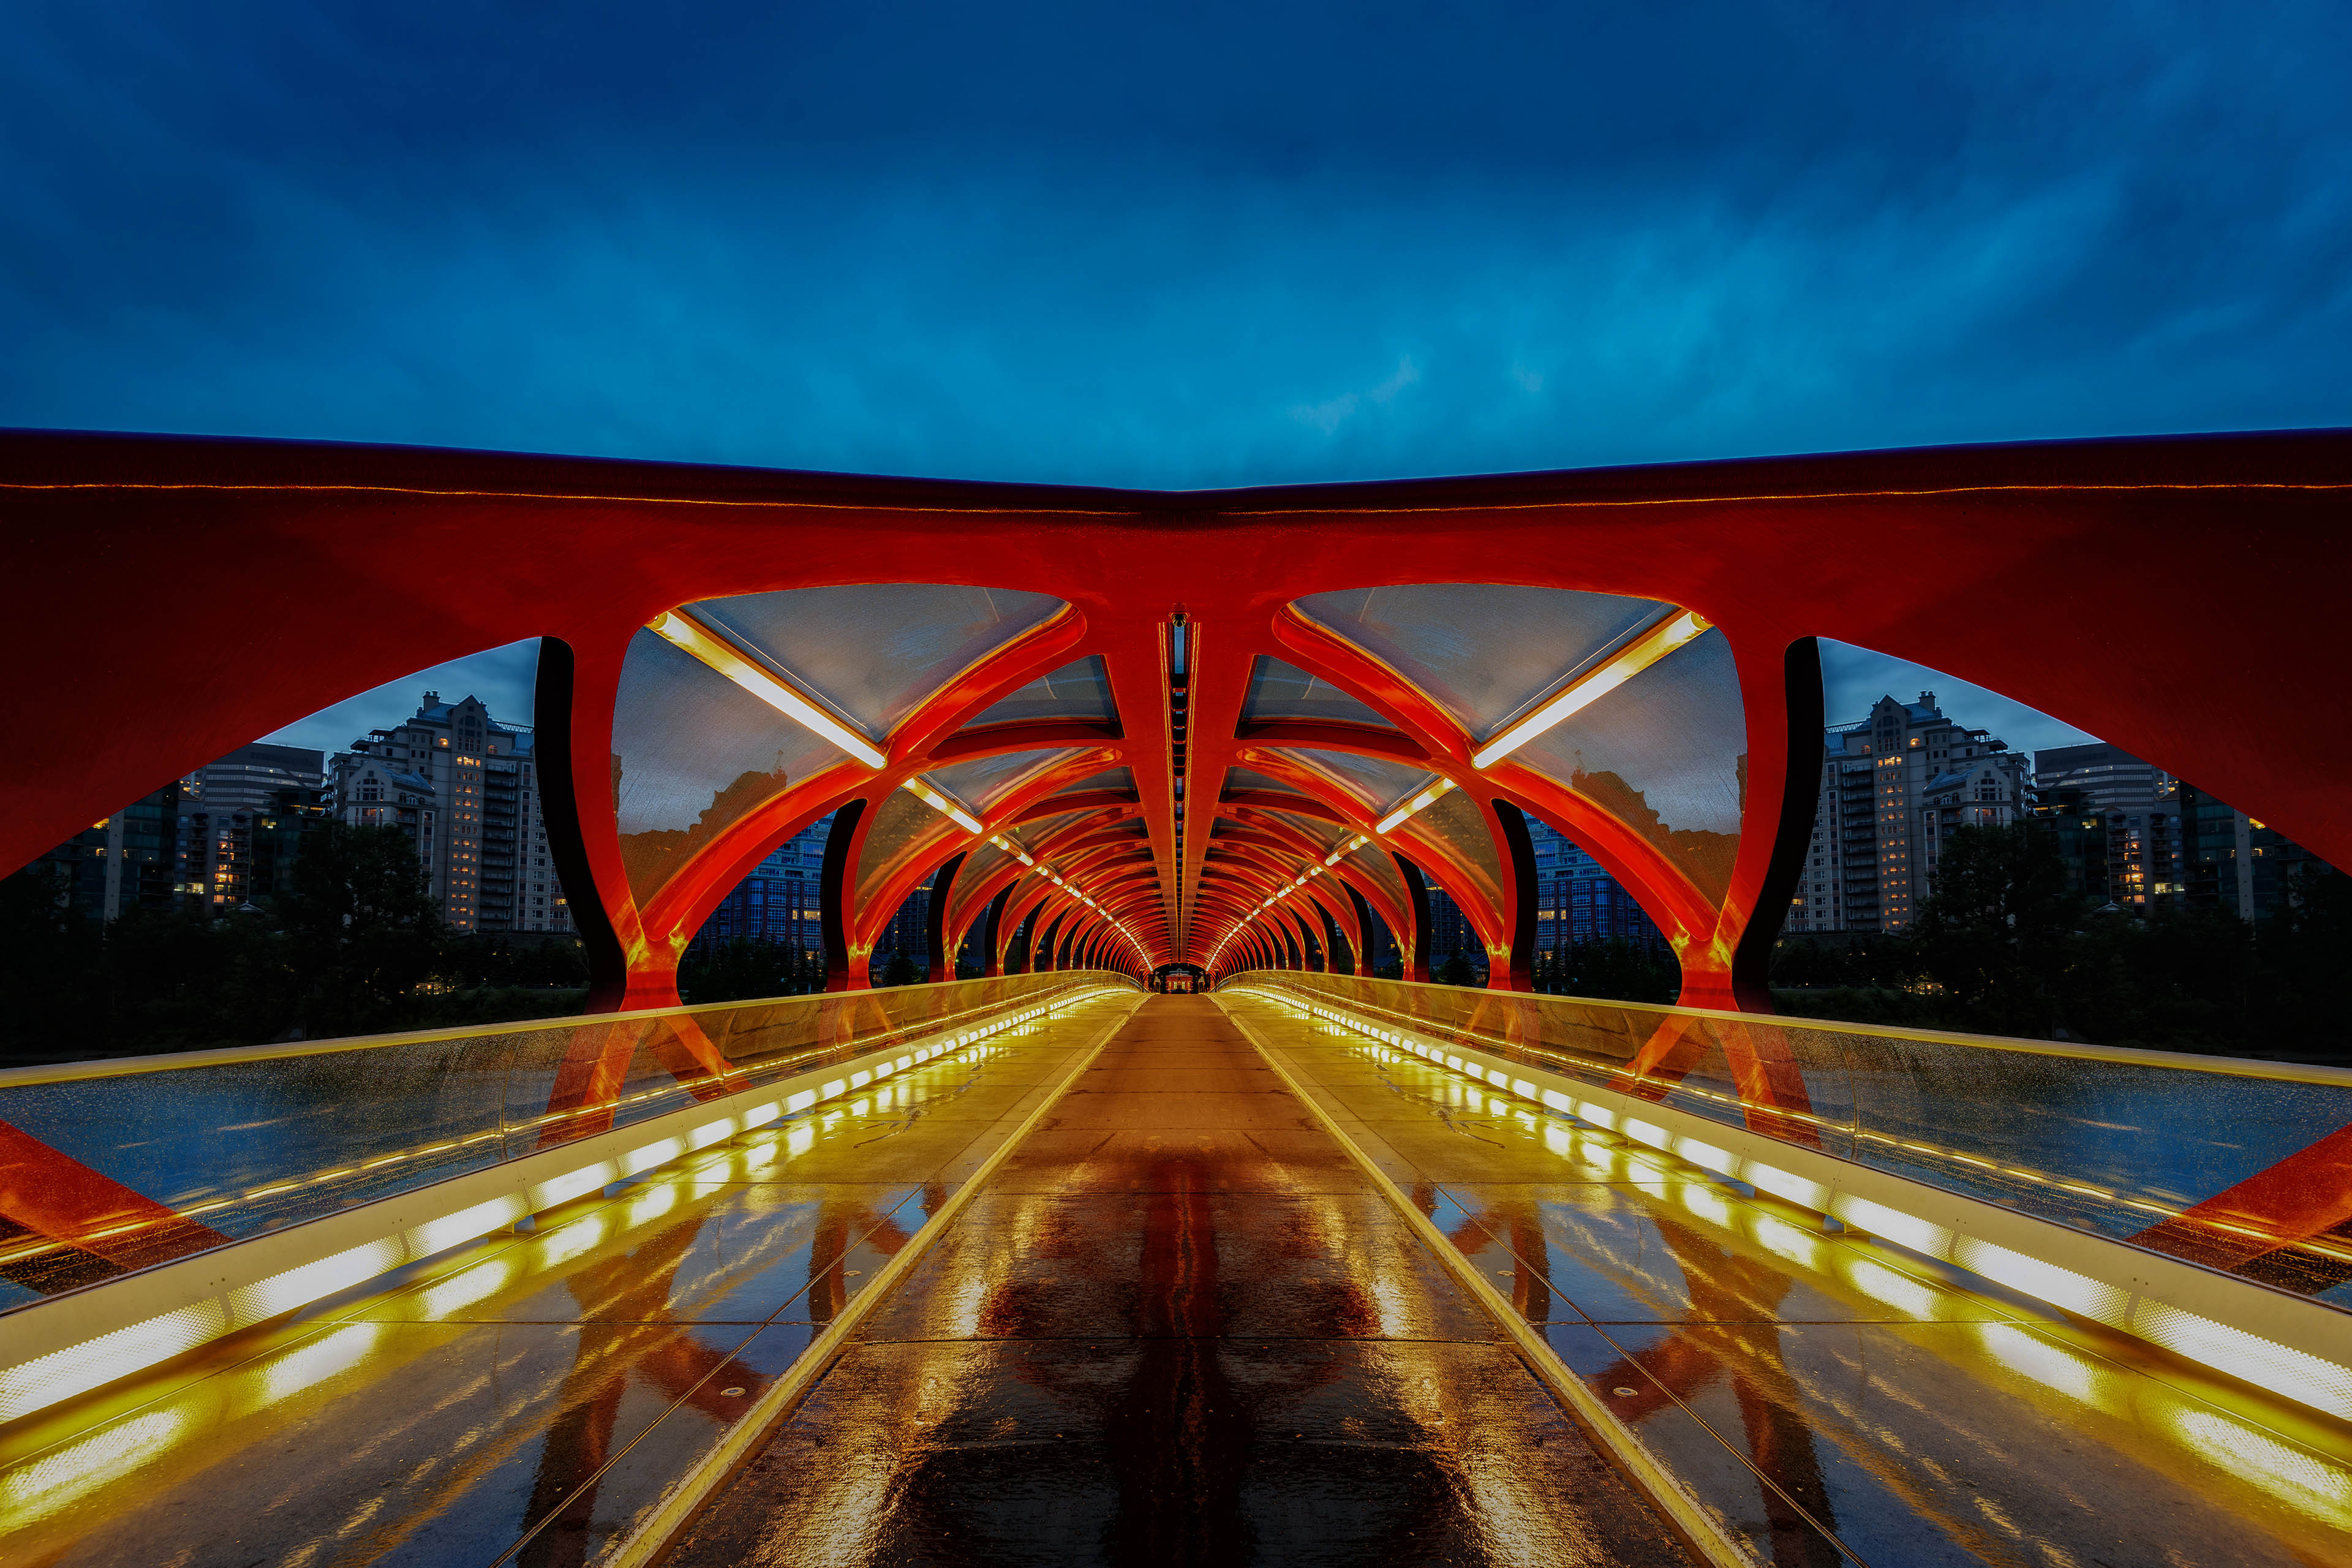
[[1771, 551]]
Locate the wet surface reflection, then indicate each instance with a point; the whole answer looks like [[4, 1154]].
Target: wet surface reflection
[[1178, 1325], [1825, 1394], [530, 1397]]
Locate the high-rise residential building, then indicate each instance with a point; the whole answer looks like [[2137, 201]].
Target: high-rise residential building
[[908, 934], [465, 788], [1450, 932], [1895, 785], [241, 820], [777, 901], [1577, 900]]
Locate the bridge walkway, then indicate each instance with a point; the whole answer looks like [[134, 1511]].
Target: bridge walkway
[[1179, 1325]]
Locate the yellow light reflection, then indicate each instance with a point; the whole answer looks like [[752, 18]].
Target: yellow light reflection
[[317, 1360], [55, 1480]]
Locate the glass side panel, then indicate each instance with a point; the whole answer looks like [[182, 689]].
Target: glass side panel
[[1329, 835], [249, 1142], [1483, 651], [1078, 691], [983, 859], [1453, 819], [1380, 785], [900, 822], [692, 753], [979, 783], [1030, 835], [2107, 1142], [1249, 778], [872, 651], [1666, 754], [1279, 690]]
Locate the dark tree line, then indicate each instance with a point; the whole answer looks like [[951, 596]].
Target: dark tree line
[[355, 945], [2004, 947]]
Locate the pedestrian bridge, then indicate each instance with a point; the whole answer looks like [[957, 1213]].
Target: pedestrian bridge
[[1295, 1265]]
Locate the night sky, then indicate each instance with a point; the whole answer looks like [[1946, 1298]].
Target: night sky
[[1178, 245]]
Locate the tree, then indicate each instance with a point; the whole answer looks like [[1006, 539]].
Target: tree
[[1997, 931], [903, 971], [742, 969], [362, 929], [1457, 970], [49, 959]]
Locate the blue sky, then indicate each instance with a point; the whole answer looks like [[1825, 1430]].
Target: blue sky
[[1207, 244]]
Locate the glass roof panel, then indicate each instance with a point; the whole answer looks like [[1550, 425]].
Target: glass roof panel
[[1328, 835], [981, 782], [983, 858], [1483, 652], [1666, 754], [1454, 821], [1376, 782], [1080, 690], [1279, 690], [693, 752], [1379, 868], [1117, 779], [901, 821], [1029, 835], [873, 651], [1246, 778]]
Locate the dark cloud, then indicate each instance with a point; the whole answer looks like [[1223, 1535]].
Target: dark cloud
[[1175, 245]]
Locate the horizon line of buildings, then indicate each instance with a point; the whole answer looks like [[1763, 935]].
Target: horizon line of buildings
[[461, 785], [1896, 784], [1895, 787]]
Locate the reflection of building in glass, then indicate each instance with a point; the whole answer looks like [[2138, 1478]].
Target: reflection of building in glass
[[1894, 786], [2232, 862], [777, 900], [2115, 821], [215, 840], [463, 787], [241, 821], [125, 861]]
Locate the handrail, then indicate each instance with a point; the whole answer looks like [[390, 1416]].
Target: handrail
[[120, 1166], [2240, 1067], [2214, 1163], [115, 1067]]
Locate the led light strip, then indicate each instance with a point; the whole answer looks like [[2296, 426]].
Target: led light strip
[[2266, 1362], [681, 631], [1646, 649], [44, 1379], [1419, 803], [942, 803]]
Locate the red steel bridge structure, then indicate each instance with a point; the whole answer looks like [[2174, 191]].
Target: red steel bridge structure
[[1132, 730]]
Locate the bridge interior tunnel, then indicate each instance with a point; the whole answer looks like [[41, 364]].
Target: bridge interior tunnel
[[1164, 742]]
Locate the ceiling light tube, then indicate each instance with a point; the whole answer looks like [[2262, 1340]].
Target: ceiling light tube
[[1425, 798], [1629, 662], [940, 804], [683, 632]]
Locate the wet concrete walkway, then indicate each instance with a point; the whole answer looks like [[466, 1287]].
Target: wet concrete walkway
[[1178, 1325]]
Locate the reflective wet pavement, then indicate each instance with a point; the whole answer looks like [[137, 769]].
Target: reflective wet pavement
[[1827, 1397], [528, 1398], [1178, 1325]]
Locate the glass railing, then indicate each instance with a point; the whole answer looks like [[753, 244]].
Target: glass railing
[[2227, 1162], [122, 1164]]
